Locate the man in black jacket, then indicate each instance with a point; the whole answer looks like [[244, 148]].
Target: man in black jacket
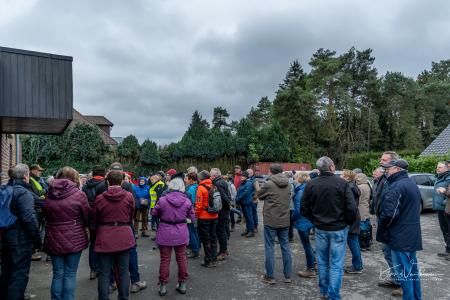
[[224, 214], [329, 204], [19, 238]]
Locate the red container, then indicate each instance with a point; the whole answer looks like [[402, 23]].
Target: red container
[[262, 168]]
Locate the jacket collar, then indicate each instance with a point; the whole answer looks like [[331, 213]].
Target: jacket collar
[[443, 175], [397, 176], [327, 173]]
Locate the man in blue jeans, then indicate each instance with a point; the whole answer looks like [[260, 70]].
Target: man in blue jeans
[[244, 197], [329, 204], [399, 226], [276, 196]]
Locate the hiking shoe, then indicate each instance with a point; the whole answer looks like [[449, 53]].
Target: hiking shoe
[[287, 280], [221, 257], [36, 257], [388, 283], [351, 270], [250, 234], [307, 274], [267, 280], [181, 287], [443, 254], [138, 286], [194, 255], [208, 265], [162, 289], [93, 275], [397, 292]]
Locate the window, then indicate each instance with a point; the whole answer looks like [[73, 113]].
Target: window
[[422, 180]]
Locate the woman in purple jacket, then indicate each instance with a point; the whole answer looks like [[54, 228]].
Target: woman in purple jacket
[[174, 211], [66, 210]]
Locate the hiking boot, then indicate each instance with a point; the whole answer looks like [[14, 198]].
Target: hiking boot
[[244, 233], [287, 280], [388, 283], [267, 280], [93, 275], [443, 254], [307, 274], [250, 234], [181, 287], [36, 257], [138, 286], [193, 255], [351, 270], [397, 292], [162, 289]]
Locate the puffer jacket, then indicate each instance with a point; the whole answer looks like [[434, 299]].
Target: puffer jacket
[[399, 222], [363, 185], [276, 194], [439, 200], [141, 192], [201, 204], [66, 210]]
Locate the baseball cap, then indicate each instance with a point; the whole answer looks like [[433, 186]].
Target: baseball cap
[[171, 172], [36, 167], [400, 163], [116, 166]]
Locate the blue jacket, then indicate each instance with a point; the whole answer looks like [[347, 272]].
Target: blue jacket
[[141, 192], [191, 192], [245, 192], [300, 222], [399, 221], [439, 200]]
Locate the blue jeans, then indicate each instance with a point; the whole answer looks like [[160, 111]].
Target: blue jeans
[[248, 214], [194, 241], [64, 280], [388, 257], [330, 249], [134, 269], [407, 272], [255, 214], [309, 252], [353, 245], [269, 251]]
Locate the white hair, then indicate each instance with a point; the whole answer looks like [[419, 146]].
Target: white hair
[[19, 171], [177, 184], [215, 172], [192, 170]]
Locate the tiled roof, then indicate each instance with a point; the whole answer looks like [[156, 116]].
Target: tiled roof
[[98, 120], [79, 118], [441, 145]]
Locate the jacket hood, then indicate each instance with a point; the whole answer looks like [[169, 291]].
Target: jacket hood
[[115, 193], [61, 189], [361, 178], [206, 182], [176, 199], [142, 178], [279, 179], [93, 182]]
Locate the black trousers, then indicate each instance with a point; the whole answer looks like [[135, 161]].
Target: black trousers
[[15, 269], [444, 223], [223, 230], [207, 234], [117, 262]]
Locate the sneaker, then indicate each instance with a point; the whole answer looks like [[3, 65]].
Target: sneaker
[[287, 280], [443, 254], [267, 280], [181, 287], [397, 292], [250, 234], [307, 274], [194, 255], [351, 270], [93, 275], [36, 257], [162, 289], [138, 286]]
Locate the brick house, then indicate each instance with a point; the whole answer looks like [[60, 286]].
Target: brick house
[[103, 124], [8, 157]]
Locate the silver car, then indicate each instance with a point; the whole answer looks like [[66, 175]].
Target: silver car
[[425, 182]]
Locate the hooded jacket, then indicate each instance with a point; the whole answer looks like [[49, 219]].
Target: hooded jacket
[[173, 209], [225, 195], [300, 222], [245, 192], [439, 200], [202, 202], [364, 198], [328, 202], [276, 194], [94, 187], [399, 221], [66, 210], [114, 205], [142, 192]]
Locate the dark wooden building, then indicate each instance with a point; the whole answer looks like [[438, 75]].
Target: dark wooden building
[[36, 96]]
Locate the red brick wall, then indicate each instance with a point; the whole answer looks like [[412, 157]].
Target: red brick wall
[[8, 154]]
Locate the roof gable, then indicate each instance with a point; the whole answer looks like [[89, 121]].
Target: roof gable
[[441, 145]]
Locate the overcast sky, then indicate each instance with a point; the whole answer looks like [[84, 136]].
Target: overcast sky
[[147, 65]]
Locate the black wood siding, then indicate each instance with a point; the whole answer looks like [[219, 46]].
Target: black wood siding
[[35, 88]]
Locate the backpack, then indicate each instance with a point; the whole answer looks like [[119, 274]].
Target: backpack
[[6, 217], [214, 199]]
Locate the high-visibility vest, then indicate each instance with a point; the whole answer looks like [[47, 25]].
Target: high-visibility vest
[[153, 194], [39, 187]]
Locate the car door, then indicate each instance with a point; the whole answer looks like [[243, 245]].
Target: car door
[[426, 187]]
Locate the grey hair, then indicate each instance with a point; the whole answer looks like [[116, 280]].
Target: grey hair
[[379, 169], [203, 175], [392, 154], [177, 184], [19, 171], [192, 169], [324, 163], [443, 163], [215, 172], [250, 172], [275, 169]]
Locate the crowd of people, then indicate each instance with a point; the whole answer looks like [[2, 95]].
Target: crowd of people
[[106, 213]]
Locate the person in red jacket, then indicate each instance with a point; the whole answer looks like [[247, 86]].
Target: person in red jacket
[[66, 210], [207, 222], [113, 213]]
